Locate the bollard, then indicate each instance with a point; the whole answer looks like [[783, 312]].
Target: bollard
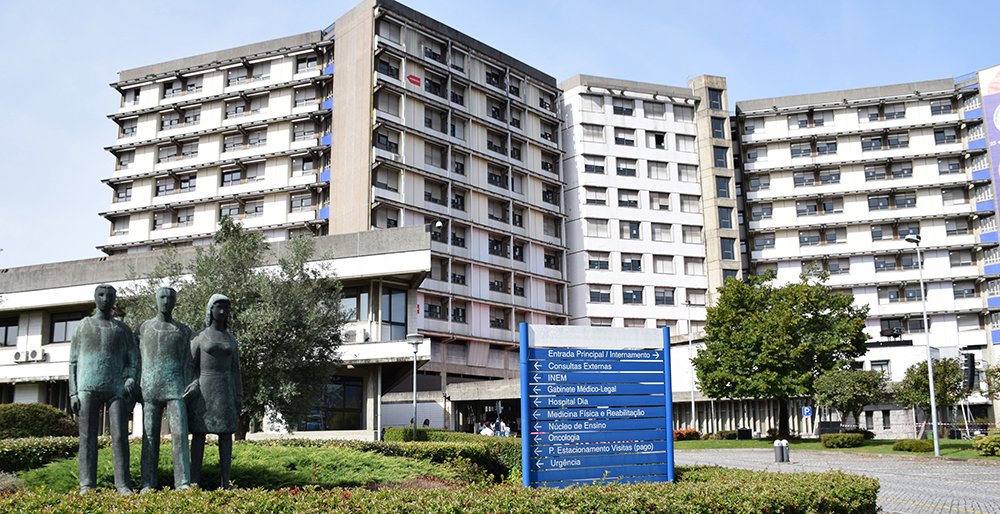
[[784, 451], [779, 454]]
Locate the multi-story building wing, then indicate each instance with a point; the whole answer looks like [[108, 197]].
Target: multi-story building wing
[[635, 226], [836, 181], [435, 128], [238, 132]]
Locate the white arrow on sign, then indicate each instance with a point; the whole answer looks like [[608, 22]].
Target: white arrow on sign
[[535, 415], [656, 355], [534, 389], [538, 451], [536, 365], [536, 378], [538, 463], [536, 400], [538, 427]]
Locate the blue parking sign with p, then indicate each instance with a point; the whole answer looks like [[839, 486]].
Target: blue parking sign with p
[[807, 411]]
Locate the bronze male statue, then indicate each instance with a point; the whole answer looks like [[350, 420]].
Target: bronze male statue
[[167, 375], [103, 369], [215, 407]]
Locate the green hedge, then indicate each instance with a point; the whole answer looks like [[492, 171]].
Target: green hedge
[[19, 420], [842, 440], [32, 452], [868, 434], [913, 445], [699, 489], [725, 434], [987, 446]]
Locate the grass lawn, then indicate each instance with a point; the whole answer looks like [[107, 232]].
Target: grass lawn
[[949, 447]]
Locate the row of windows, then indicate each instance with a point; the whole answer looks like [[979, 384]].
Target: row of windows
[[633, 230], [868, 143], [892, 111], [879, 232], [630, 168], [183, 217], [633, 295], [874, 172]]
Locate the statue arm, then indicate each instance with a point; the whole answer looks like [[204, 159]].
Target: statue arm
[[133, 364], [74, 357], [193, 369], [237, 375]]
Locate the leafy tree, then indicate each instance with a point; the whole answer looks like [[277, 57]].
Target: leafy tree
[[768, 342], [949, 387], [287, 319], [992, 383], [848, 391]]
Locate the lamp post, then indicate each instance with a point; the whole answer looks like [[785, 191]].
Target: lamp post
[[415, 340], [915, 239]]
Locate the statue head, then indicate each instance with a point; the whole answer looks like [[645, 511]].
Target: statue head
[[217, 309], [166, 298], [104, 298]]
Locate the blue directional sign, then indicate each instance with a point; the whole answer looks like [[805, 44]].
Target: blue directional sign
[[596, 405]]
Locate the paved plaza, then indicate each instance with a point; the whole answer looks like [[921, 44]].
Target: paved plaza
[[909, 485]]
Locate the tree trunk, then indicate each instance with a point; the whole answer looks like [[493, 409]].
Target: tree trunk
[[923, 426], [242, 428], [783, 429]]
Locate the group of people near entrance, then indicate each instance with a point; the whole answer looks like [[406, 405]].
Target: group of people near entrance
[[497, 428], [193, 376]]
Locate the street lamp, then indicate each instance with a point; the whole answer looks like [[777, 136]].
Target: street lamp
[[915, 239], [691, 355], [415, 340]]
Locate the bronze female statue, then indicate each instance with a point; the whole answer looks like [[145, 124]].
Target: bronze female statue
[[215, 407]]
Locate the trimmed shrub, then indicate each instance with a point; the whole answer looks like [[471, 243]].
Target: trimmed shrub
[[403, 434], [868, 434], [842, 440], [32, 452], [687, 434], [987, 446], [725, 434], [913, 445], [35, 420], [699, 489]]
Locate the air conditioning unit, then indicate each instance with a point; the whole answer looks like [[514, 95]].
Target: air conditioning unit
[[358, 335], [20, 357], [981, 365], [38, 355]]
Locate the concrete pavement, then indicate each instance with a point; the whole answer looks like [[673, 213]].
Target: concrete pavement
[[909, 485]]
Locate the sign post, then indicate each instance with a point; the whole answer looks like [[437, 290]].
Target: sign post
[[596, 404]]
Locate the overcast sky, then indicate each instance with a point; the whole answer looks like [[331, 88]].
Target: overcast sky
[[60, 56]]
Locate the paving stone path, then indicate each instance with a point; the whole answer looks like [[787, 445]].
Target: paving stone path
[[909, 485]]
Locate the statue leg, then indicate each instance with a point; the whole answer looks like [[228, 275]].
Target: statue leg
[[197, 455], [89, 431], [119, 413], [152, 416], [179, 442], [225, 458]]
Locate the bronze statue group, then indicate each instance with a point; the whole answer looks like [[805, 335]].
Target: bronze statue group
[[194, 377]]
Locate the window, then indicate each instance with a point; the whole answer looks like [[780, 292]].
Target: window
[[942, 106], [829, 177], [954, 196], [956, 226], [623, 106], [593, 133], [728, 248], [722, 187], [949, 165], [597, 228], [125, 159], [694, 266], [683, 114], [690, 203], [944, 136], [253, 209], [871, 143], [808, 237], [901, 140], [61, 326], [600, 294], [167, 153], [393, 307], [832, 205], [593, 164], [901, 170], [301, 202], [626, 167], [760, 182], [838, 266], [763, 241], [725, 217], [801, 150], [719, 128], [629, 230], [691, 234], [884, 263], [598, 260], [596, 195], [458, 201], [657, 170], [826, 147], [659, 201], [305, 63], [632, 295], [631, 262], [654, 110], [8, 331], [305, 96], [687, 173], [684, 143], [833, 236], [960, 258], [303, 130], [131, 97], [720, 156], [663, 264], [662, 232], [388, 66], [714, 99], [184, 217], [123, 192], [628, 198], [915, 325], [551, 227], [905, 200], [592, 103], [600, 322], [625, 137], [164, 186], [656, 140], [877, 203], [496, 177]]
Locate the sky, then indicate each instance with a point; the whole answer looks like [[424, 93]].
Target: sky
[[61, 55]]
